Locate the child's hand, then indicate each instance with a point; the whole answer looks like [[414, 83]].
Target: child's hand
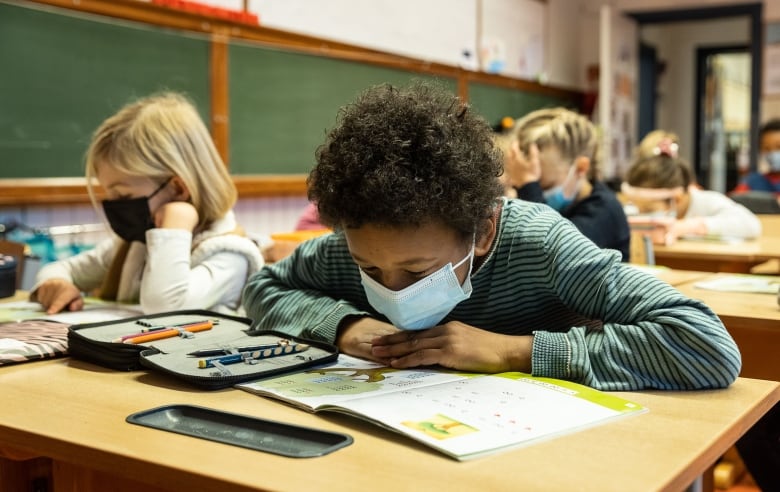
[[668, 233], [455, 345], [356, 335], [176, 215], [523, 168], [57, 294]]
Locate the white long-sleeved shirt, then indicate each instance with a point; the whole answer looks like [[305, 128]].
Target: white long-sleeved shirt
[[722, 215], [168, 273]]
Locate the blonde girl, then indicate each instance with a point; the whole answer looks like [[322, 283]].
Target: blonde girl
[[553, 158], [168, 197]]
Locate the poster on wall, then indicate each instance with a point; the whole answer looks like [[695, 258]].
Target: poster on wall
[[512, 34], [617, 90]]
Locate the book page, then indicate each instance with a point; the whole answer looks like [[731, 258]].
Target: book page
[[476, 416], [462, 415], [95, 310], [348, 379], [742, 283]]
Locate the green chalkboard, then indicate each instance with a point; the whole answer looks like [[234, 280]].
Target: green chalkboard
[[62, 75], [283, 103], [494, 103]]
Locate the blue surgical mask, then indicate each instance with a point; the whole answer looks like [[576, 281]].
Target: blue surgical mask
[[773, 159], [555, 198], [424, 303]]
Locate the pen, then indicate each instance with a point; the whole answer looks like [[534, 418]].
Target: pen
[[173, 332], [227, 350], [251, 356]]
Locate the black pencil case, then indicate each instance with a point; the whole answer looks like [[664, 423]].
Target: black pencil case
[[100, 343]]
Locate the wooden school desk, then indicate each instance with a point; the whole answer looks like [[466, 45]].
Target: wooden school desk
[[754, 322], [770, 224], [672, 276], [713, 256], [74, 413]]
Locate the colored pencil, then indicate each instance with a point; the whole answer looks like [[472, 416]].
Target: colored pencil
[[173, 332]]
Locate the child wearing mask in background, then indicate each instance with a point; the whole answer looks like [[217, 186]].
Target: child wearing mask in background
[[767, 178], [429, 265], [661, 187], [760, 190], [552, 157], [168, 199]]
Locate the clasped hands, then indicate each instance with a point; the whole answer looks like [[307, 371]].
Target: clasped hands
[[454, 345]]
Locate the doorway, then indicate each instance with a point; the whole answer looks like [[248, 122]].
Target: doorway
[[723, 116]]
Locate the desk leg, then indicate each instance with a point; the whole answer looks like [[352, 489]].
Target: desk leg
[[67, 477], [33, 474], [704, 482]]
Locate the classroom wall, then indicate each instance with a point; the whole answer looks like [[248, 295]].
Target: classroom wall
[[570, 45], [527, 30]]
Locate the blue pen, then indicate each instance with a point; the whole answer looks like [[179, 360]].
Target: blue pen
[[249, 357]]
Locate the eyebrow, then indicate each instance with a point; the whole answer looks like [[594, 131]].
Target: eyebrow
[[410, 261]]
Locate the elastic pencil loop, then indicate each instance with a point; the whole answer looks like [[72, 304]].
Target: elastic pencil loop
[[183, 332], [246, 358], [221, 369]]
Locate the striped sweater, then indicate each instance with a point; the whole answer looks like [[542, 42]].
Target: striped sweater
[[595, 320]]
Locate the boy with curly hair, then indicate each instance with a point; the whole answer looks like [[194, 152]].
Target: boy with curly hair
[[429, 265]]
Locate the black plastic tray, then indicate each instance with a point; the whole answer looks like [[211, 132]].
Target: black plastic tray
[[242, 430]]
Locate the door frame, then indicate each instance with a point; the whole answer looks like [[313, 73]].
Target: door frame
[[755, 12], [702, 53]]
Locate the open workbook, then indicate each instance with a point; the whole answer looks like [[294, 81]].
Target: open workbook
[[461, 415]]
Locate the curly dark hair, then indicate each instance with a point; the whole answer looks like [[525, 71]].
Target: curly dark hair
[[405, 157]]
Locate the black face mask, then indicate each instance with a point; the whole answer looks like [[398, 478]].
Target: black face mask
[[130, 218]]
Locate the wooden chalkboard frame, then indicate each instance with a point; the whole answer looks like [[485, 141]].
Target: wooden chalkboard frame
[[221, 32]]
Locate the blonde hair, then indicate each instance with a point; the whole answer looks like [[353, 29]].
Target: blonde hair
[[571, 133], [161, 136], [657, 142]]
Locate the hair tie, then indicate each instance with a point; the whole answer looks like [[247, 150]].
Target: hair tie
[[667, 147], [642, 193]]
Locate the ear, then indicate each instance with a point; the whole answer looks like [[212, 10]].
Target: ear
[[485, 236], [582, 166], [181, 192]]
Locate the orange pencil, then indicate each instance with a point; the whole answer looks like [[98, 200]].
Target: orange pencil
[[173, 332]]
